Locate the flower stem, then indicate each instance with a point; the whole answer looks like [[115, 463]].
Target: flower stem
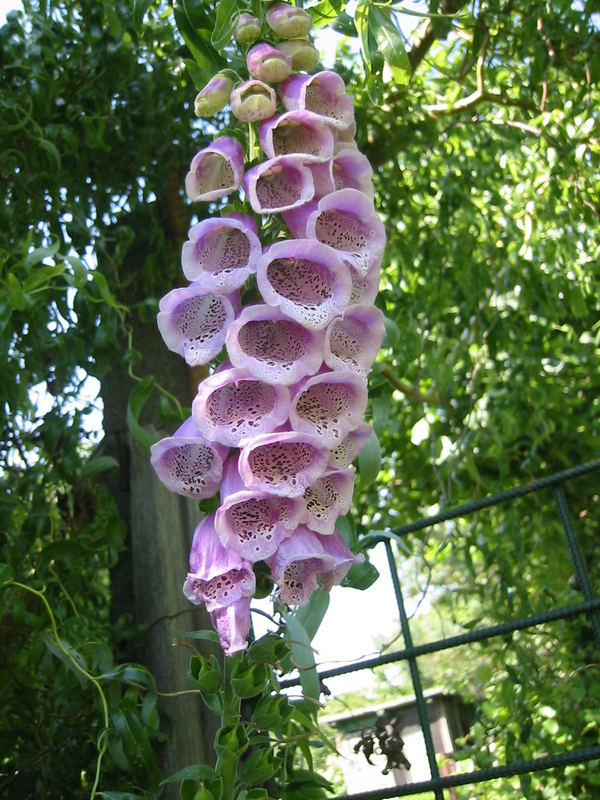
[[227, 761]]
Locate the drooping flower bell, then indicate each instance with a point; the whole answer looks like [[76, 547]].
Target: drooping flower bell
[[297, 133], [279, 184], [347, 220], [305, 559], [303, 53], [284, 464], [233, 404], [253, 101], [216, 171], [329, 405], [213, 96], [323, 93], [194, 323], [221, 253], [307, 280], [246, 28], [343, 454], [189, 464], [232, 623], [353, 340], [253, 522], [288, 22], [273, 347], [218, 575], [268, 63], [328, 498]]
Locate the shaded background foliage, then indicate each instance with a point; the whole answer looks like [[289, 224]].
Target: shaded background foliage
[[486, 172]]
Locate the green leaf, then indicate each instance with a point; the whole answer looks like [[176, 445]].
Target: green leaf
[[67, 654], [16, 295], [345, 25], [258, 767], [121, 795], [112, 18], [205, 675], [325, 12], [42, 276], [361, 576], [232, 739], [303, 656], [361, 20], [199, 14], [210, 636], [95, 466], [221, 35], [103, 290], [269, 648], [206, 57], [51, 149], [194, 772], [6, 574], [390, 43], [311, 615], [369, 460], [272, 713], [140, 7], [80, 270], [137, 400], [381, 412], [248, 680], [40, 253], [65, 548]]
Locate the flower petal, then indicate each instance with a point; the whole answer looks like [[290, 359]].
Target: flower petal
[[218, 576], [232, 623], [343, 454], [352, 170], [297, 132], [335, 547], [297, 564]]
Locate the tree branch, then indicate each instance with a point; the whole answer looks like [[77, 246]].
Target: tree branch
[[420, 49]]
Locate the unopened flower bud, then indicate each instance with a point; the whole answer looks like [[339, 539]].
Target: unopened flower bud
[[303, 53], [214, 96], [288, 22], [268, 63], [253, 101], [246, 28]]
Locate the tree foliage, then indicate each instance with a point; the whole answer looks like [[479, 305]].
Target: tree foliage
[[486, 171]]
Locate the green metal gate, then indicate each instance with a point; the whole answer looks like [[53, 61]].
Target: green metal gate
[[590, 607]]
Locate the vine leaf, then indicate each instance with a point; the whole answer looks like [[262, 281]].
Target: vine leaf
[[389, 43], [137, 400], [303, 656], [140, 8], [221, 34]]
